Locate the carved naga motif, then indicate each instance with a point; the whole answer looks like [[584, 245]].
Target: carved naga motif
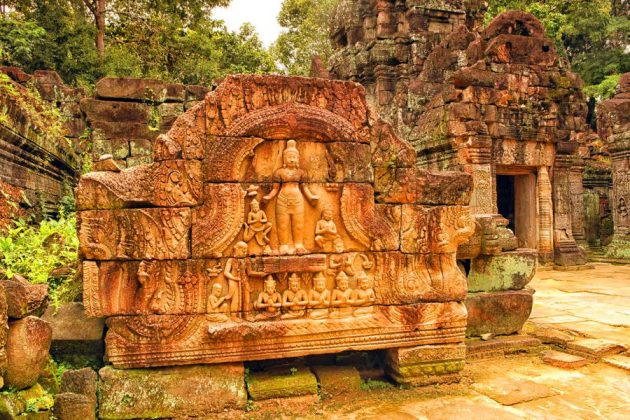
[[287, 252]]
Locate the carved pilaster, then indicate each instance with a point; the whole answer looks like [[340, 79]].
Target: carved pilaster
[[545, 215]]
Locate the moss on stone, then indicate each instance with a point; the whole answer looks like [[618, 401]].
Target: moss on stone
[[281, 383]]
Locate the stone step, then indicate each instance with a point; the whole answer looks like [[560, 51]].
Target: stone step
[[620, 361], [595, 348], [563, 360], [501, 346]]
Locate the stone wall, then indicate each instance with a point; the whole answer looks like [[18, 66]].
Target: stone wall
[[614, 128], [37, 141], [125, 115]]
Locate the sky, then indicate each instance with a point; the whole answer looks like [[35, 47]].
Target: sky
[[261, 13]]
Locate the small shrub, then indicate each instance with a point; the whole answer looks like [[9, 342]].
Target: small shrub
[[43, 253]]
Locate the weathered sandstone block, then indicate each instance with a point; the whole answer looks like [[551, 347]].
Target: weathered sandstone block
[[498, 312], [292, 248], [142, 89], [171, 392], [134, 234], [70, 406], [27, 351], [80, 381], [166, 184], [74, 333], [337, 380], [424, 365], [281, 383]]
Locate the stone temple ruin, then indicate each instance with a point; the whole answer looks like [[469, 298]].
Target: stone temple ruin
[[400, 202], [273, 224]]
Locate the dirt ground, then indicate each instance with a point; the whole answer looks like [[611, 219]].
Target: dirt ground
[[591, 303]]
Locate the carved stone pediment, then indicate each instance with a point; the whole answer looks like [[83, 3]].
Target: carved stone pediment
[[280, 218]]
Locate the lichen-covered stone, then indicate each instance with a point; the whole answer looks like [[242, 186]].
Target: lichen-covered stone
[[171, 392], [80, 381], [281, 383], [337, 380], [508, 271], [70, 406]]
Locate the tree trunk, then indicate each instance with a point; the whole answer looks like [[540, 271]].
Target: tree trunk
[[99, 18]]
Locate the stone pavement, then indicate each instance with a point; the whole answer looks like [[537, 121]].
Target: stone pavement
[[594, 303]]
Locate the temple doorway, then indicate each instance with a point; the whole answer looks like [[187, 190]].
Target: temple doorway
[[516, 201]]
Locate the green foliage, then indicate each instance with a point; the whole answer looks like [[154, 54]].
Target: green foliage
[[172, 40], [604, 90], [44, 253], [375, 384], [306, 33]]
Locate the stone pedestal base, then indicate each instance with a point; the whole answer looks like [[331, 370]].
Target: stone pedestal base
[[426, 365], [498, 313], [511, 270], [568, 253], [173, 392]]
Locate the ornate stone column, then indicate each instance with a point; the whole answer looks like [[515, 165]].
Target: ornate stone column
[[576, 190], [545, 215], [613, 124], [566, 250]]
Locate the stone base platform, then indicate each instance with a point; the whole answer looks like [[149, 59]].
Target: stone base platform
[[426, 365], [179, 340], [499, 313]]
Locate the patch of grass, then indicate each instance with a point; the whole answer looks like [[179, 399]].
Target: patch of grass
[[375, 384]]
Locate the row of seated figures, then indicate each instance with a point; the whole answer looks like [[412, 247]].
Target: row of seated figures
[[296, 302]]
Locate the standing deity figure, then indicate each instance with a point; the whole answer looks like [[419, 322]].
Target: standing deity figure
[[364, 297], [235, 274], [623, 212], [342, 297], [217, 307], [325, 230], [289, 185], [318, 298], [147, 288], [269, 300], [257, 226], [294, 299]]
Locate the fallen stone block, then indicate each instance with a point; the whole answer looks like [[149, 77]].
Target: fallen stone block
[[171, 392], [563, 360], [80, 381], [73, 333], [426, 365], [17, 299], [552, 336], [507, 271], [509, 391], [619, 361], [595, 348], [70, 406], [35, 400], [27, 351], [500, 346], [281, 383], [117, 111], [337, 380], [500, 313]]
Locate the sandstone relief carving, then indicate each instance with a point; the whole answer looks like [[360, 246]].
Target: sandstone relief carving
[[286, 250]]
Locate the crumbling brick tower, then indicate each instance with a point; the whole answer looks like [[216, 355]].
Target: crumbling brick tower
[[498, 103]]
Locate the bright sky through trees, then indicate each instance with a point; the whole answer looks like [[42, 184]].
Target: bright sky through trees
[[263, 14]]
